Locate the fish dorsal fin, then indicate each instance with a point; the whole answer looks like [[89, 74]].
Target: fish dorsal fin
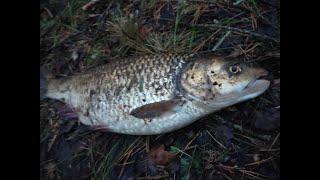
[[156, 109]]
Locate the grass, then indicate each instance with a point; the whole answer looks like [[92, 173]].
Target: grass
[[180, 8], [114, 30]]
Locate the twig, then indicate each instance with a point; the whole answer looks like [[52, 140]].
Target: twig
[[131, 147], [147, 144], [191, 162], [195, 49], [187, 147], [238, 2], [182, 152], [252, 174], [153, 177], [124, 164], [89, 5], [226, 176], [259, 162], [239, 30], [190, 142], [263, 58], [268, 150], [49, 12], [241, 129], [52, 141], [191, 1], [221, 40], [230, 29], [245, 142], [130, 162], [216, 140], [274, 141]]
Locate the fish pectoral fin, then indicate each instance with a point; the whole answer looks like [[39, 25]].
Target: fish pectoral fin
[[157, 109]]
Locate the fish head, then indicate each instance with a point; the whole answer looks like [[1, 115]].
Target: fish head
[[220, 82]]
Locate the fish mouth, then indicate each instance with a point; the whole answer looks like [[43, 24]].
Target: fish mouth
[[259, 84], [255, 88], [252, 90]]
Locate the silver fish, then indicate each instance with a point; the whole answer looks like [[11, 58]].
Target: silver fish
[[157, 94]]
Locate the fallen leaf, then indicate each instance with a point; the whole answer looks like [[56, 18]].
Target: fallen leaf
[[236, 52], [51, 170], [160, 156], [143, 31], [276, 81], [89, 5]]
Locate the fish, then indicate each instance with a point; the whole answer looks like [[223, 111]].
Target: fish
[[156, 94]]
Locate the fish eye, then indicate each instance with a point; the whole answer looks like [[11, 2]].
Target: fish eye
[[235, 69]]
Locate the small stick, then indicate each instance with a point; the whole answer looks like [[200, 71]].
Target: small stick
[[124, 164], [191, 162], [221, 40], [52, 141], [240, 128], [268, 150], [239, 30], [147, 144], [153, 177], [190, 142], [238, 2], [90, 4], [274, 141], [182, 152], [49, 12], [131, 162], [252, 174], [216, 140], [186, 147], [259, 162], [132, 146]]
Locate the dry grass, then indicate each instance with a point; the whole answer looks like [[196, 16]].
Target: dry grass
[[225, 145]]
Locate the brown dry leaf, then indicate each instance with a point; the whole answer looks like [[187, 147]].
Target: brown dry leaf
[[89, 5], [143, 32], [160, 156], [276, 81], [51, 169], [236, 52]]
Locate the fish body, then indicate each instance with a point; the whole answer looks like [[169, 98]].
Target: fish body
[[156, 94]]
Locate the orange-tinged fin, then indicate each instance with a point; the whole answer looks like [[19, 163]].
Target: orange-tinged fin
[[156, 109]]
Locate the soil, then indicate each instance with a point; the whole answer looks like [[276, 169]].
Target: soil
[[239, 142]]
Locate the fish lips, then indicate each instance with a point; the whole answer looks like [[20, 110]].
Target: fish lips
[[254, 88], [259, 84]]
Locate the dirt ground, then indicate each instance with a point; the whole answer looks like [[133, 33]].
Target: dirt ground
[[239, 142]]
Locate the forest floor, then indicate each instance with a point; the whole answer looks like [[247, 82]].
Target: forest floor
[[239, 142]]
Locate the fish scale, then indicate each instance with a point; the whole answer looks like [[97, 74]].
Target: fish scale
[[151, 94], [117, 88]]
